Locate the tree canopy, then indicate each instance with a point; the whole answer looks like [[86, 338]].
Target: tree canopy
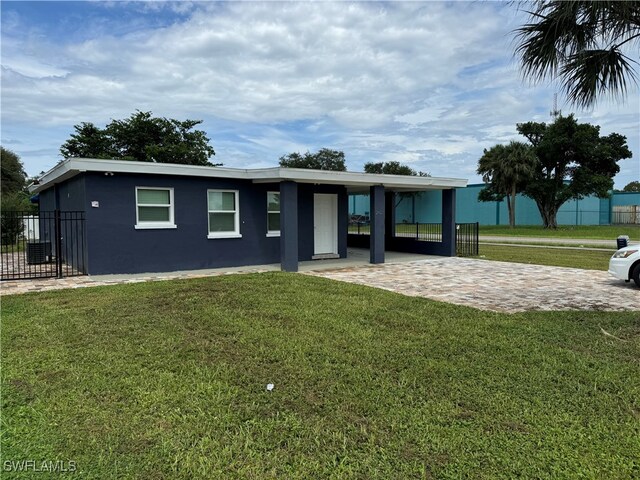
[[12, 175], [395, 168], [323, 159], [143, 138], [573, 161], [392, 168], [13, 186], [506, 169], [632, 187], [581, 43]]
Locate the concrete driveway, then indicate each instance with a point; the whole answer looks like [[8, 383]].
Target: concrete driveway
[[496, 286]]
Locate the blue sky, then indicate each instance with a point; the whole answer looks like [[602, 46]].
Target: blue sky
[[430, 84]]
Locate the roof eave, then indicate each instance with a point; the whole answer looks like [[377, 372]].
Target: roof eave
[[353, 180], [356, 179]]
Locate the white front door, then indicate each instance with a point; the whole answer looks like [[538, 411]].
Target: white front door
[[325, 224]]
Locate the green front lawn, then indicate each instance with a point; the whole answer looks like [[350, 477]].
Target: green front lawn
[[599, 232], [559, 257], [167, 380]]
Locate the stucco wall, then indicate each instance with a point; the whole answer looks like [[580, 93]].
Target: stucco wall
[[68, 197], [114, 245]]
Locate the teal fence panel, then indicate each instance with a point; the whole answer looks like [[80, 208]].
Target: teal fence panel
[[469, 209], [426, 207], [605, 211], [625, 198]]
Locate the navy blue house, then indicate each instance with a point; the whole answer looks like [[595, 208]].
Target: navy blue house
[[148, 217]]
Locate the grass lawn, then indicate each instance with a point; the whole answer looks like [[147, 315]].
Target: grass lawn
[[599, 232], [167, 380], [559, 257]]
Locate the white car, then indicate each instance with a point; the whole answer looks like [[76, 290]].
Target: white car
[[625, 264]]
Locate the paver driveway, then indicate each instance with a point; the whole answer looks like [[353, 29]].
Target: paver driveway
[[488, 285], [497, 286]]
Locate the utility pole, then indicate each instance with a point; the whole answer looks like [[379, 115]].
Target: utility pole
[[555, 113]]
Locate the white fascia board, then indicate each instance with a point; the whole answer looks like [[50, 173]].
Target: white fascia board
[[124, 166], [73, 166], [355, 179], [60, 172]]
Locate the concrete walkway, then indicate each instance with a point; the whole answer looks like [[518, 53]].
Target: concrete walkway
[[497, 286], [16, 287], [355, 257]]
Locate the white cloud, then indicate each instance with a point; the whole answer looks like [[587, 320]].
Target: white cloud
[[281, 62], [427, 83], [32, 68]]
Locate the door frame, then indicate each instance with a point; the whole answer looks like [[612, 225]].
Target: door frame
[[333, 198]]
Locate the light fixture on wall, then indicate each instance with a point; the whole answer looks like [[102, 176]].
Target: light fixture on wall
[[108, 174]]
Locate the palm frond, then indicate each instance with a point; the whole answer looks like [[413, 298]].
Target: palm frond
[[545, 45], [622, 19], [579, 42], [537, 50], [593, 73]]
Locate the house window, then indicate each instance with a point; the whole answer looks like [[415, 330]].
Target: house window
[[224, 221], [273, 214], [154, 208]]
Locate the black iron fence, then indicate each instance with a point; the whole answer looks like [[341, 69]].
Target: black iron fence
[[42, 244], [359, 228], [428, 232], [467, 234]]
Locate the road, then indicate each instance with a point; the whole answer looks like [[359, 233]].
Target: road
[[551, 241]]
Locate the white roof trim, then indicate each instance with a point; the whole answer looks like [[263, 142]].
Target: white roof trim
[[355, 180]]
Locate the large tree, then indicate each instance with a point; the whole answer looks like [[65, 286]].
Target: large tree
[[144, 138], [506, 169], [323, 159], [582, 44], [573, 161]]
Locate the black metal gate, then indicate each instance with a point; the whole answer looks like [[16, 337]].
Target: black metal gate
[[42, 244], [467, 239]]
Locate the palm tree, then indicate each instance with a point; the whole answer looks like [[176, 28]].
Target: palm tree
[[506, 168], [582, 44]]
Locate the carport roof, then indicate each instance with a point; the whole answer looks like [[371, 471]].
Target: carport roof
[[354, 181]]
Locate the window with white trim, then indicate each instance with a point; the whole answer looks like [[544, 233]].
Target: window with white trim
[[273, 214], [224, 213], [154, 208]]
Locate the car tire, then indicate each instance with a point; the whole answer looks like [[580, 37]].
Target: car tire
[[635, 274]]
